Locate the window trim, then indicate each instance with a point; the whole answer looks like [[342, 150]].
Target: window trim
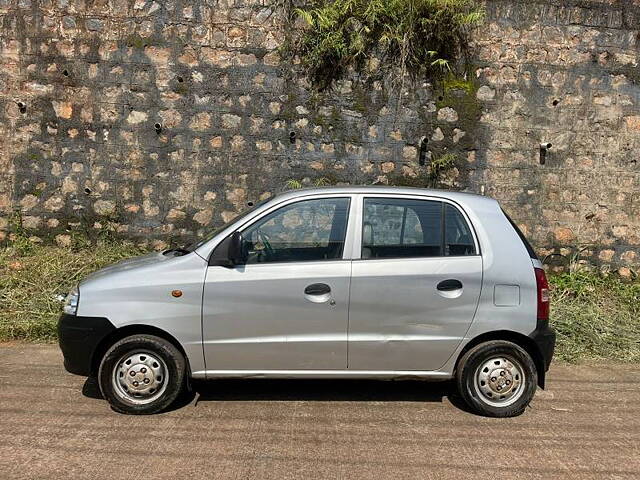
[[357, 243], [346, 249]]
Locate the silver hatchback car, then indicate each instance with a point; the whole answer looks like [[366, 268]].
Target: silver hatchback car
[[357, 282]]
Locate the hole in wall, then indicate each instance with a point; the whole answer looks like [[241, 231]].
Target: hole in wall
[[87, 190], [543, 156], [22, 107], [157, 127], [65, 72], [422, 152], [292, 137], [555, 102], [180, 79], [250, 204]]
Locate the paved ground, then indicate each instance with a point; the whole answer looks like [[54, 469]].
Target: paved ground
[[586, 425]]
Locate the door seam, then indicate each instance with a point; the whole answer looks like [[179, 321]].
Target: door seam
[[349, 310]]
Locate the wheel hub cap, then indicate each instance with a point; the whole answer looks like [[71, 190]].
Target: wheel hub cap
[[140, 377], [500, 381]]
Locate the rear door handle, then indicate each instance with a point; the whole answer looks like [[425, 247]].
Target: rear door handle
[[317, 289], [450, 284]]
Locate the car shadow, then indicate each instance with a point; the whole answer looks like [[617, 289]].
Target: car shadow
[[326, 391], [277, 390]]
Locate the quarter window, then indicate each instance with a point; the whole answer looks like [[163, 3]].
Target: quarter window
[[397, 228], [458, 238], [308, 230]]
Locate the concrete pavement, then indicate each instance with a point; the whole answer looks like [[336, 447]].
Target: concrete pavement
[[586, 425]]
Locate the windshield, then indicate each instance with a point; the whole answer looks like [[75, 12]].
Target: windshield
[[208, 236]]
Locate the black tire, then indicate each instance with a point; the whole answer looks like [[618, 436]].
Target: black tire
[[173, 381], [469, 389]]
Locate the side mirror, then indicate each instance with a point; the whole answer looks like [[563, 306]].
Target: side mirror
[[237, 254]]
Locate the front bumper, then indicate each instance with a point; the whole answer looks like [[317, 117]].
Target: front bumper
[[78, 338]]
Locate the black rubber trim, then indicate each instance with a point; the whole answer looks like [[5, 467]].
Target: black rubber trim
[[545, 338], [448, 285], [78, 338], [317, 289]]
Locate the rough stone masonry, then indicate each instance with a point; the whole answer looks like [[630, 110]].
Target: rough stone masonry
[[159, 119]]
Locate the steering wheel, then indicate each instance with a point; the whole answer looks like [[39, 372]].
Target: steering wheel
[[264, 238]]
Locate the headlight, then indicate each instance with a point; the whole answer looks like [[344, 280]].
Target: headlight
[[71, 302]]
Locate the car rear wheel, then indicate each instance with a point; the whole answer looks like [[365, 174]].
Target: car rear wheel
[[497, 379], [141, 374]]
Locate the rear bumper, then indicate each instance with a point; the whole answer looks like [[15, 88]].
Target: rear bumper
[[545, 338], [78, 338]]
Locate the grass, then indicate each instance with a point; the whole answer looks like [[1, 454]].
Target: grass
[[596, 317], [31, 276]]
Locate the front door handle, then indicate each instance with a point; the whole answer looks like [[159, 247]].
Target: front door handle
[[317, 289], [449, 285]]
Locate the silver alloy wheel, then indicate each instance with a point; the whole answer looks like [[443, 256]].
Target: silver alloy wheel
[[500, 381], [140, 377]]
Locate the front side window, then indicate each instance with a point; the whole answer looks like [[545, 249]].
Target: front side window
[[308, 230], [402, 228]]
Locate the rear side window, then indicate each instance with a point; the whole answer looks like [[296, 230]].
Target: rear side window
[[526, 243], [402, 228]]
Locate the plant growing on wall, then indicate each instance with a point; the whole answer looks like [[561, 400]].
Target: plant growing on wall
[[414, 36], [439, 166], [294, 184]]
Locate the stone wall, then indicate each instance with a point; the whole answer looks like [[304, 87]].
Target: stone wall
[[158, 119]]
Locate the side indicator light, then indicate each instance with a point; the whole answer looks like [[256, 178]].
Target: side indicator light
[[176, 293]]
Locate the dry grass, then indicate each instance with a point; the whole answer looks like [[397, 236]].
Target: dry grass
[[31, 276], [596, 317]]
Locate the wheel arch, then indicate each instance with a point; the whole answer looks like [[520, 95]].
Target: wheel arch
[[128, 330], [514, 337]]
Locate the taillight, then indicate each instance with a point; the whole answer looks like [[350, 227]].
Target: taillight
[[543, 294]]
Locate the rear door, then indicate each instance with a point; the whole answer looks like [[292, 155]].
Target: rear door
[[415, 286]]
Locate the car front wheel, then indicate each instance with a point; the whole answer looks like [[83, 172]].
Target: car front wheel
[[141, 374], [497, 379]]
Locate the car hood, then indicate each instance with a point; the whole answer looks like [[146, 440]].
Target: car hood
[[127, 265]]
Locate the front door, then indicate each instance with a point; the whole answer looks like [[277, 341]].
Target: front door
[[287, 308], [415, 289]]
